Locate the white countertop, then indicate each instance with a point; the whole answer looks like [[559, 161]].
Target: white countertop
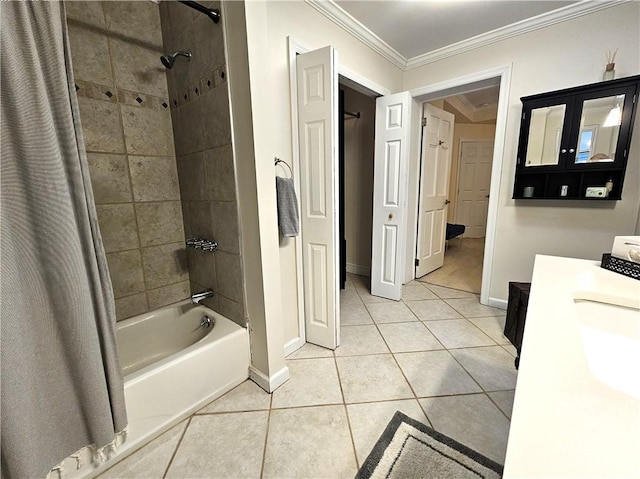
[[565, 422]]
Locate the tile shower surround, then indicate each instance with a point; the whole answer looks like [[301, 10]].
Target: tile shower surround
[[199, 103]]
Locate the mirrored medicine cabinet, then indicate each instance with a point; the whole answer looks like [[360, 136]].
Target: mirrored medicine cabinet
[[574, 143]]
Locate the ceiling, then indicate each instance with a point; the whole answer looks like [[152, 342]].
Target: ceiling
[[416, 27]]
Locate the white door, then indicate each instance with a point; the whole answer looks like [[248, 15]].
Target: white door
[[474, 182], [317, 91], [391, 160], [435, 169]]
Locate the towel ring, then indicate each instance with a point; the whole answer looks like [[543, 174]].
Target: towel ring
[[278, 160]]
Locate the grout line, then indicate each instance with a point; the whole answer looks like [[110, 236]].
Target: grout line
[[346, 412], [175, 451], [266, 435]]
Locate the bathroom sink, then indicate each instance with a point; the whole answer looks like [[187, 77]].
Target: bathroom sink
[[610, 331]]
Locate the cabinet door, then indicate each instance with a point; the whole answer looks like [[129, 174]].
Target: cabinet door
[[600, 129], [544, 134]]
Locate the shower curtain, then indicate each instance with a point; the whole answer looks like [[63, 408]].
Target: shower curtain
[[62, 387]]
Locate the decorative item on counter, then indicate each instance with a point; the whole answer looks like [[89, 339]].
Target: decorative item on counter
[[564, 190], [609, 71], [528, 192], [609, 185]]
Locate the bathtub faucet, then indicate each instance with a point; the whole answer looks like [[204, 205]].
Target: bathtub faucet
[[197, 297]]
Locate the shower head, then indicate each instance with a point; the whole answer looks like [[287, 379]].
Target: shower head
[[168, 60]]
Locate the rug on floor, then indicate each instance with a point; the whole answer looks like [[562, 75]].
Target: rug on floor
[[409, 449]]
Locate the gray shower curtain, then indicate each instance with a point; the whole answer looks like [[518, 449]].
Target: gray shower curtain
[[61, 382]]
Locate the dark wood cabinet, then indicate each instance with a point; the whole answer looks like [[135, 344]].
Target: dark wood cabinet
[[576, 139], [517, 315]]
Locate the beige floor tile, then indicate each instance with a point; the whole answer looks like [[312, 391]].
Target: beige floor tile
[[504, 400], [349, 296], [312, 382], [448, 293], [309, 442], [354, 313], [458, 333], [368, 421], [471, 307], [416, 291], [462, 268], [359, 340], [408, 337], [309, 351], [151, 461], [248, 396], [432, 310], [511, 349], [435, 373], [492, 367], [472, 420], [372, 378], [391, 312], [492, 326], [205, 450]]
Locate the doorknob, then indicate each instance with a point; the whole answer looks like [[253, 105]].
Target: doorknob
[[390, 216], [564, 150], [487, 196], [440, 142], [446, 202]]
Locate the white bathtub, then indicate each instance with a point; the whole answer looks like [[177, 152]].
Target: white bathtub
[[173, 367]]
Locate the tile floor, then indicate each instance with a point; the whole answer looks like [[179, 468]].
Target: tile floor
[[438, 356]]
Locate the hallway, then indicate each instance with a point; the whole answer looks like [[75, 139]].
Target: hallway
[[462, 266]]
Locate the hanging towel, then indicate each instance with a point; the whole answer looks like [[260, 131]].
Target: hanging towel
[[288, 218]]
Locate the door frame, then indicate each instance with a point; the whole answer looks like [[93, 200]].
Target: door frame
[[293, 49], [443, 89], [455, 203]]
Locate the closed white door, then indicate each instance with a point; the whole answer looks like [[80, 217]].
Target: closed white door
[[435, 169], [317, 85], [474, 183], [391, 160]]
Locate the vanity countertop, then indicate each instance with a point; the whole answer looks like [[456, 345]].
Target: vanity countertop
[[566, 423]]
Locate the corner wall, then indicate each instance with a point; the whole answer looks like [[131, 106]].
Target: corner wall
[[568, 54]]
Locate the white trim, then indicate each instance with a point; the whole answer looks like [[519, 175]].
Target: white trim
[[504, 73], [519, 28], [344, 20], [497, 303], [293, 345], [269, 383], [358, 269], [365, 82]]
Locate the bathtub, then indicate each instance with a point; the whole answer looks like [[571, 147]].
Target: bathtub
[[172, 367]]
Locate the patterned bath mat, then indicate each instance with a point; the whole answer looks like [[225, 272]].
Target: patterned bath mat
[[409, 449]]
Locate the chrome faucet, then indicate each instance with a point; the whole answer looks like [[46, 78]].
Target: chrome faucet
[[197, 297]]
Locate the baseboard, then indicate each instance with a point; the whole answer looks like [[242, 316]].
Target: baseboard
[[358, 269], [293, 345], [498, 303], [269, 383]]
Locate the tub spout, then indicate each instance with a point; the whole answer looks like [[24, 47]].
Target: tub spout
[[197, 297]]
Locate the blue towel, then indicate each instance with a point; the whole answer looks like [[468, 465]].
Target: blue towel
[[288, 217]]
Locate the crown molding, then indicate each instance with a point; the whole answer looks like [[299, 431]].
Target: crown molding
[[341, 18], [540, 21]]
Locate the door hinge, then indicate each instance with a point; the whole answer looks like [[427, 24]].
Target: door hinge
[[417, 262], [424, 122], [524, 115]]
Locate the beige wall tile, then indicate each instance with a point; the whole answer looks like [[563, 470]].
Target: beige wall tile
[[109, 178], [160, 223], [135, 20], [216, 124], [90, 54], [224, 217], [125, 268], [220, 170], [147, 132], [118, 227], [209, 43], [229, 276], [138, 67], [198, 219], [154, 178], [193, 180], [202, 268], [165, 264], [231, 310], [86, 12], [131, 305], [101, 126], [168, 294], [187, 129]]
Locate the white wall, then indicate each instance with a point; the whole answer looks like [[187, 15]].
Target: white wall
[[269, 23], [565, 55]]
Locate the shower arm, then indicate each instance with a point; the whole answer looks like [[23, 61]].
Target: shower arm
[[213, 14]]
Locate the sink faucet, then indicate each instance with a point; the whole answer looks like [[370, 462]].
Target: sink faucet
[[197, 297]]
